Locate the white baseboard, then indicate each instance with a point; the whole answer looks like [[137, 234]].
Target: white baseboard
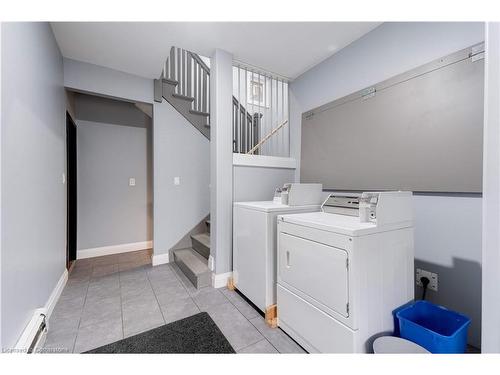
[[56, 293], [220, 280], [33, 325], [115, 249], [160, 259]]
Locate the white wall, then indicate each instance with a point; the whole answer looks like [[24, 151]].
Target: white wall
[[491, 194], [110, 212], [86, 77], [179, 150], [221, 161], [1, 345], [33, 160], [443, 242]]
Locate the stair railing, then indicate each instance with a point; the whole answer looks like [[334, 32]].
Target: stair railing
[[246, 129], [192, 76], [260, 102], [263, 140]]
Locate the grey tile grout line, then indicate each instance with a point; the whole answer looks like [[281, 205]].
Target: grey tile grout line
[[92, 265], [178, 278], [253, 325], [121, 299], [83, 306], [263, 339], [236, 307], [259, 316], [156, 297], [85, 300], [184, 286], [283, 333]]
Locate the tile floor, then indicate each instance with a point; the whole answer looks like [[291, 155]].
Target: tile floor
[[116, 296]]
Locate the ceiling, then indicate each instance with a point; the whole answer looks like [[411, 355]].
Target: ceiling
[[284, 48]]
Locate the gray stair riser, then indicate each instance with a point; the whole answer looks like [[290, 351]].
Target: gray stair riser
[[200, 280], [183, 97], [203, 250]]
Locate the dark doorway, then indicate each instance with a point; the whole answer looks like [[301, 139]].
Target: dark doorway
[[71, 190]]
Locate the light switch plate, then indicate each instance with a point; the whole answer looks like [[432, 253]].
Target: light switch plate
[[211, 263], [433, 277], [177, 180], [131, 181]]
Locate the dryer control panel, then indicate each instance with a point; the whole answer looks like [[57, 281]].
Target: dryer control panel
[[384, 207]]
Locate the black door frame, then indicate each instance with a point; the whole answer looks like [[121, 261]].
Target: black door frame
[[71, 188]]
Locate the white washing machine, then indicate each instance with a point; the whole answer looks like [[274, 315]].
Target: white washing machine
[[254, 245], [342, 271]]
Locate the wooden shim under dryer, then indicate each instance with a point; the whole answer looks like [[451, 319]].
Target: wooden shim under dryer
[[271, 316], [230, 284]]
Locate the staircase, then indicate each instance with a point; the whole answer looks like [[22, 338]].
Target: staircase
[[194, 261], [185, 84]]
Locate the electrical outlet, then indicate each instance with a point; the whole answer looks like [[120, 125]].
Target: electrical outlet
[[433, 278], [131, 181]]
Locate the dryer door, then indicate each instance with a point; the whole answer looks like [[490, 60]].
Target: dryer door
[[316, 271]]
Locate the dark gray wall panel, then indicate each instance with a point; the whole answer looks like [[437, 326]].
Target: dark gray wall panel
[[421, 131]]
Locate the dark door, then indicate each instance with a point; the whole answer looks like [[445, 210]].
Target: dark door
[[71, 186]]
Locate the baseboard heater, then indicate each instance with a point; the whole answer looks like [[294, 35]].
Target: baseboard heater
[[33, 338]]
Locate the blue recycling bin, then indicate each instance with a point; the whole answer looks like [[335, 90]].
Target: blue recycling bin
[[434, 327]]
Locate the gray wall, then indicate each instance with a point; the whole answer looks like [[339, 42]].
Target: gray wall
[[179, 150], [491, 194], [90, 78], [114, 144], [33, 160], [448, 242], [258, 183], [1, 346], [402, 131], [221, 161], [443, 243]]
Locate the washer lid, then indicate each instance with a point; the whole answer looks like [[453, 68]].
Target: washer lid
[[342, 224], [270, 206], [396, 345]]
